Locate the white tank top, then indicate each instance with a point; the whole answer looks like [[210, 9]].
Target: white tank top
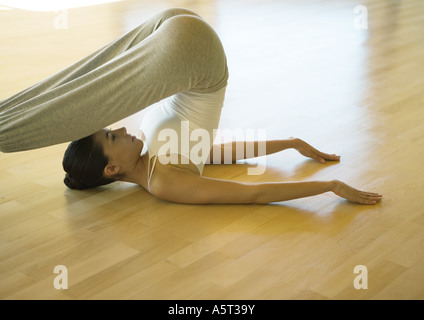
[[181, 129]]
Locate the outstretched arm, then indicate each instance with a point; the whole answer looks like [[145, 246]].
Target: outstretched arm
[[232, 151], [179, 185]]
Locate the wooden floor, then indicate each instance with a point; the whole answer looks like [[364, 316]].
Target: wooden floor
[[346, 82]]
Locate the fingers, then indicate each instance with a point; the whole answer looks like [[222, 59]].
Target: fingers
[[309, 151], [370, 194], [333, 157], [330, 157], [321, 156], [319, 159], [369, 197], [357, 196]]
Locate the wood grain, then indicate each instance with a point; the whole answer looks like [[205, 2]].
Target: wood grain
[[297, 68]]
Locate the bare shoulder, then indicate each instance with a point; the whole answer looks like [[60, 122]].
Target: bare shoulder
[[167, 176], [179, 185]]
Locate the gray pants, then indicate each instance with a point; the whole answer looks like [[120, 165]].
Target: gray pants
[[172, 52]]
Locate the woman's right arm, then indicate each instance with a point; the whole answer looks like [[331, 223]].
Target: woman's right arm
[[181, 186], [232, 151]]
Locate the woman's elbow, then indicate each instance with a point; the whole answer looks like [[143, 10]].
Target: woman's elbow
[[257, 195]]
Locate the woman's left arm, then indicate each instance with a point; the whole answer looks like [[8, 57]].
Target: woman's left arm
[[182, 186]]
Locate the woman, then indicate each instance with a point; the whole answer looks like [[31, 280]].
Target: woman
[[115, 155], [176, 58]]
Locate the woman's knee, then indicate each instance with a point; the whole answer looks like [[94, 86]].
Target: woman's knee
[[172, 12]]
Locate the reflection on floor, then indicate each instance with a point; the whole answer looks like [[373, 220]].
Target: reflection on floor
[[347, 79]]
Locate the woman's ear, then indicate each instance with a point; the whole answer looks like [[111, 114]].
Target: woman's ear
[[111, 170]]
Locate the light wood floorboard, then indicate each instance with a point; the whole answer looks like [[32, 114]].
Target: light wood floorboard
[[297, 68]]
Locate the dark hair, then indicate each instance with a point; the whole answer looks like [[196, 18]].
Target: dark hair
[[84, 162]]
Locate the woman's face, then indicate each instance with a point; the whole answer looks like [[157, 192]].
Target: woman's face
[[122, 149]]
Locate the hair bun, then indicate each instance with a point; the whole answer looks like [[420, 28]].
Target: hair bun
[[72, 183]]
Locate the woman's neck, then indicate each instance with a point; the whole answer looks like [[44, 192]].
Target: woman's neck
[[139, 174]]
